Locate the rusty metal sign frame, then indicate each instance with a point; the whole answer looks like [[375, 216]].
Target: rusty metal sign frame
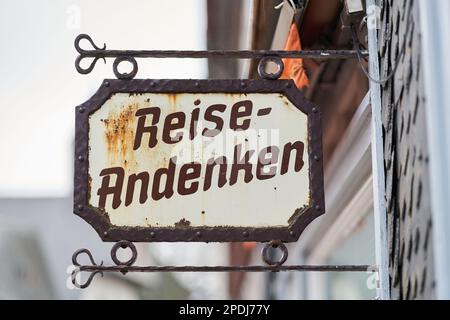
[[108, 232]]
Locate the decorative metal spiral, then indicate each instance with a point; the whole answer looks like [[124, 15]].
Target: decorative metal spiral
[[95, 269], [77, 271], [96, 53]]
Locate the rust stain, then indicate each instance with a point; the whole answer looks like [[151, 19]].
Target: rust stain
[[173, 97], [89, 187], [297, 213], [182, 223], [119, 135], [164, 151]]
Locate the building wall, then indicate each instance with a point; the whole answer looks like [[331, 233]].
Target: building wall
[[406, 152]]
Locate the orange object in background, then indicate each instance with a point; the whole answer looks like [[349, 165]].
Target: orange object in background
[[248, 245], [293, 68], [240, 253]]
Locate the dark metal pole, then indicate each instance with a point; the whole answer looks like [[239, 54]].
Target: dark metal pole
[[237, 54], [254, 268]]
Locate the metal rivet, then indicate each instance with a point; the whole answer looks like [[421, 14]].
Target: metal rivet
[[105, 233], [316, 158], [314, 110], [292, 233], [152, 84], [245, 234], [198, 234], [82, 109], [80, 158], [288, 85], [80, 207], [107, 84], [152, 234], [197, 84], [318, 207], [243, 84]]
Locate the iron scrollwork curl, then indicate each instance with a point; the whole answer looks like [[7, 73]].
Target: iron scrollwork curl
[[80, 268], [96, 53]]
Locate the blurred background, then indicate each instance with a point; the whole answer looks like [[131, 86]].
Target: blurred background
[[40, 88]]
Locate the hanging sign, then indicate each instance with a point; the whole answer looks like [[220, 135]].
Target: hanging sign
[[198, 160]]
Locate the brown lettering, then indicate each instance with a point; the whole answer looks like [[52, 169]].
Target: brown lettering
[[142, 128], [170, 175], [218, 121], [298, 146], [264, 161], [222, 180], [195, 170], [106, 189], [194, 121], [169, 126], [132, 179], [241, 164], [236, 113]]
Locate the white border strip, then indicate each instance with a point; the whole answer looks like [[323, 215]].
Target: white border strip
[[435, 27], [379, 206]]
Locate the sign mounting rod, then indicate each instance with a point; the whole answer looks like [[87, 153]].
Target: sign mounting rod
[[127, 266], [130, 55]]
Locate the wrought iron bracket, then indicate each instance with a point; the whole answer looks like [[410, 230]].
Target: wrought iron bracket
[[264, 55], [271, 264]]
